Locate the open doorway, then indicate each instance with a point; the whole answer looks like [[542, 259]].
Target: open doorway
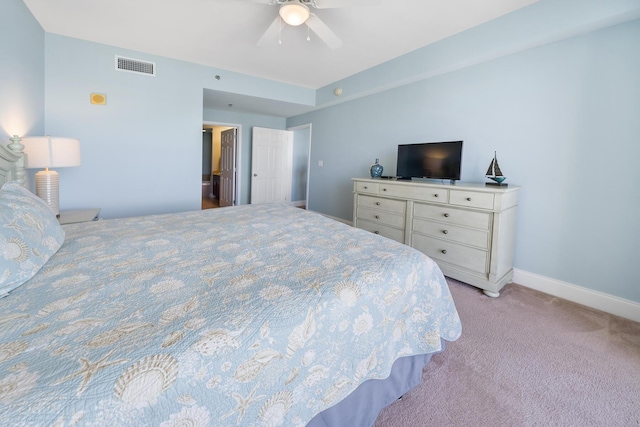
[[213, 185], [301, 165], [209, 196]]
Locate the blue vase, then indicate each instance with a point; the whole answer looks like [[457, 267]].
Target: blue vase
[[376, 170]]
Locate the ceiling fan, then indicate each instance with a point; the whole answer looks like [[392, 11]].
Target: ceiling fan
[[298, 12]]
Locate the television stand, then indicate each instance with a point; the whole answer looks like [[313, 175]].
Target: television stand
[[468, 229]]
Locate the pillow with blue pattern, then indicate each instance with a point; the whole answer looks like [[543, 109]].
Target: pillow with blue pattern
[[29, 235]]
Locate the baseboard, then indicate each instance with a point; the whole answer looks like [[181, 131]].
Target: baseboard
[[578, 294]]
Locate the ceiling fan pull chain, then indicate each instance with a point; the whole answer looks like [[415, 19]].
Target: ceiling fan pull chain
[[280, 32], [308, 33]]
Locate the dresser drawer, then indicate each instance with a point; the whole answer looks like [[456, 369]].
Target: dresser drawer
[[452, 253], [383, 230], [367, 187], [381, 217], [436, 195], [449, 215], [454, 233], [471, 199], [397, 206]]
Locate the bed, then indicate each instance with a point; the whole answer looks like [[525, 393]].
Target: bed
[[252, 315]]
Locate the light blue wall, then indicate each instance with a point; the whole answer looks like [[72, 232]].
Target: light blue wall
[[21, 72], [141, 153], [246, 122], [564, 119]]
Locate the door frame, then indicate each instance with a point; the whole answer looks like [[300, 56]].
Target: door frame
[[310, 127], [238, 126]]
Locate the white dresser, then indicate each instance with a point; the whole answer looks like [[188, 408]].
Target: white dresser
[[467, 228]]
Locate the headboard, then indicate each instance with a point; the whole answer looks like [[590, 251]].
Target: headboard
[[12, 162]]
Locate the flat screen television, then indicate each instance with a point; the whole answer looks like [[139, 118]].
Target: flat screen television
[[436, 160]]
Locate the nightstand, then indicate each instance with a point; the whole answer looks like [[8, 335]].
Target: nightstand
[[78, 215]]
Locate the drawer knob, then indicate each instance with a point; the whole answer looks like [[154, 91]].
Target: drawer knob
[[468, 199], [444, 251], [377, 203], [436, 195], [445, 231], [446, 215], [377, 216], [365, 187], [384, 189], [376, 232]]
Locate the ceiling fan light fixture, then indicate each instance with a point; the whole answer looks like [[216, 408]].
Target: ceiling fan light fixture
[[294, 13]]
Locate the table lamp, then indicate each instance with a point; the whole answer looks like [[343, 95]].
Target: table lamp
[[50, 152]]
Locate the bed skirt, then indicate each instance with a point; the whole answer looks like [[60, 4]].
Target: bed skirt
[[361, 408]]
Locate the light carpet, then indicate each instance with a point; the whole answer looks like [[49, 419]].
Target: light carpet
[[527, 359]]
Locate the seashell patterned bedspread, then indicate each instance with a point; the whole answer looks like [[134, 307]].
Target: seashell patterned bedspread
[[252, 315]]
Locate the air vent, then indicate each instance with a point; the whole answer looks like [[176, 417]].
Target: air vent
[[135, 66]]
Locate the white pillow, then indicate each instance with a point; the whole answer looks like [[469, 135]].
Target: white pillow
[[29, 235]]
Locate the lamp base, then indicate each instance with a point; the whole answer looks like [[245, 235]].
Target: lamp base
[[48, 189]]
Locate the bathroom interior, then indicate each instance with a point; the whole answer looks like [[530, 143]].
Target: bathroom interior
[[211, 137]]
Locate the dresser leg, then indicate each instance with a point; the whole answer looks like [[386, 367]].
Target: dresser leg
[[491, 294]]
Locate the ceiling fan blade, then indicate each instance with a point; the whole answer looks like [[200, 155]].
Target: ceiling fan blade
[[267, 2], [271, 34], [324, 32], [334, 4]]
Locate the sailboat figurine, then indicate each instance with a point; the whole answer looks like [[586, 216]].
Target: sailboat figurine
[[494, 173]]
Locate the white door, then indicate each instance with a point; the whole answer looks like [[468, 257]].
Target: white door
[[228, 167], [271, 161]]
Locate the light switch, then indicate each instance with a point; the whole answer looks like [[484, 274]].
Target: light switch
[[320, 163]]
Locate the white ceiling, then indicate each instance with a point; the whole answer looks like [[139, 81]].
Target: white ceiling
[[224, 34]]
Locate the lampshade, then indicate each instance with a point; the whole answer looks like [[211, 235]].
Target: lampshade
[[294, 13], [50, 152]]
